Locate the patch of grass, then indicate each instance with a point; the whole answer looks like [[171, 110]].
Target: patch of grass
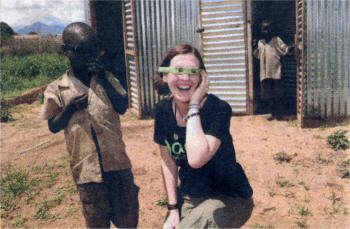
[[162, 201], [65, 156], [331, 211], [5, 114], [72, 189], [346, 163], [284, 183], [36, 168], [282, 156], [31, 195], [23, 73], [18, 221], [59, 195], [272, 192], [296, 171], [303, 211], [292, 123], [289, 194], [338, 140], [306, 187], [302, 223], [321, 160], [334, 198], [51, 178], [72, 211], [42, 209], [260, 226], [15, 182], [344, 173], [12, 185]]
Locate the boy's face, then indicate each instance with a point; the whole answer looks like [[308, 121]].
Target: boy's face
[[266, 28], [81, 54]]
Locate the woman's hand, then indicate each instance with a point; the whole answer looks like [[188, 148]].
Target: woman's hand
[[172, 220], [202, 88]]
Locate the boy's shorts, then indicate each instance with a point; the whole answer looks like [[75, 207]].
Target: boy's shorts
[[271, 88], [116, 200]]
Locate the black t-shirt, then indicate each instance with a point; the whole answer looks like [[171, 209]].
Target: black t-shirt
[[221, 174]]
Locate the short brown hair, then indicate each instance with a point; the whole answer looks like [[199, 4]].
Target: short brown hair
[[158, 83]]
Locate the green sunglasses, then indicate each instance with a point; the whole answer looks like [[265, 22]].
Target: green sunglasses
[[180, 70]]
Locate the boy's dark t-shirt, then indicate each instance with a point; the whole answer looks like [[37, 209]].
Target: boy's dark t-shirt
[[222, 174]]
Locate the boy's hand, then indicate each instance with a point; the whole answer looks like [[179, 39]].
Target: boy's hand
[[291, 49], [254, 43], [95, 66], [79, 102]]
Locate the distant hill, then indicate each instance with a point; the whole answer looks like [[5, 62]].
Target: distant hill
[[41, 28]]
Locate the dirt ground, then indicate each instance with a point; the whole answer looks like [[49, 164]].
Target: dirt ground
[[307, 191]]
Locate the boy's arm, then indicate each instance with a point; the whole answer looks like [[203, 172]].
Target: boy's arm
[[119, 101], [115, 93], [60, 121], [255, 49], [282, 47]]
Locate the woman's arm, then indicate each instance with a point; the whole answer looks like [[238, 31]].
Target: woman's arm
[[170, 174], [200, 148]]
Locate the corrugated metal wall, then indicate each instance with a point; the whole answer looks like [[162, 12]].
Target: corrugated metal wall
[[300, 47], [328, 59], [159, 26], [131, 60], [224, 50]]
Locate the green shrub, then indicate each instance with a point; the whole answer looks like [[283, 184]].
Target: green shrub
[[5, 114], [13, 184], [22, 73], [282, 156], [162, 201], [338, 140]]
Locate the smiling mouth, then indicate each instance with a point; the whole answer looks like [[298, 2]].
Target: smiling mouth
[[185, 88]]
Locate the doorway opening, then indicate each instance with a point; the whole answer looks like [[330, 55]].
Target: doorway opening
[[109, 26], [283, 16]]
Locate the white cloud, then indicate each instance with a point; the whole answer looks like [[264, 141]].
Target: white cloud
[[26, 12]]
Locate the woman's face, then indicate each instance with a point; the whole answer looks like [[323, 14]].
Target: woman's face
[[182, 86]]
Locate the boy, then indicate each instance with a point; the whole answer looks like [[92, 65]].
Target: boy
[[84, 102], [269, 50]]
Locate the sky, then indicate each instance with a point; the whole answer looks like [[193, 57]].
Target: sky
[[25, 12]]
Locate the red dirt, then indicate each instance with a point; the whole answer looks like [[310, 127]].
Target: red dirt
[[318, 196]]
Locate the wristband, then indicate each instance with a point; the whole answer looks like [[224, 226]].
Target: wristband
[[172, 206], [194, 105], [191, 115]]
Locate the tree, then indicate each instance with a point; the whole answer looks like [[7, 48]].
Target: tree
[[6, 33]]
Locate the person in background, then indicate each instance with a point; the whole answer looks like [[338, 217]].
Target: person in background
[[269, 50], [192, 129], [85, 102]]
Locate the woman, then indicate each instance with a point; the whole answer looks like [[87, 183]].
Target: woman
[[192, 130]]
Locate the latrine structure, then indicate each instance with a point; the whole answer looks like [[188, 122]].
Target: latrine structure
[[316, 78]]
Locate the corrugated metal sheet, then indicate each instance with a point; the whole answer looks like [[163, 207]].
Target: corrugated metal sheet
[[300, 56], [159, 26], [328, 59], [131, 56], [224, 50]]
